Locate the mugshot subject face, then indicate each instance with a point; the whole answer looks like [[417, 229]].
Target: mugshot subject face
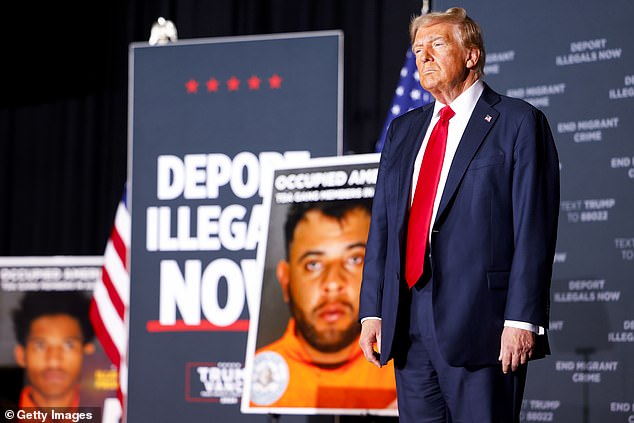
[[325, 267], [53, 355]]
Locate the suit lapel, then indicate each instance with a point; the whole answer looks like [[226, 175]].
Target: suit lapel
[[480, 123], [407, 155]]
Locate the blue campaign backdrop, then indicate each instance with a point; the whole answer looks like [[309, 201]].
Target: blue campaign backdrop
[[573, 60]]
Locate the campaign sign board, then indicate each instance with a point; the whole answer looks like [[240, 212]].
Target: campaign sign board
[[303, 355], [209, 119]]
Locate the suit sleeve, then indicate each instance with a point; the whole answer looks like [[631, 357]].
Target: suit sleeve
[[535, 199], [371, 294]]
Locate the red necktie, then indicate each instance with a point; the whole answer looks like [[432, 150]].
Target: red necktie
[[423, 204]]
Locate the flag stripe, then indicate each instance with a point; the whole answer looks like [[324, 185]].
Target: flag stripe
[[113, 295], [102, 334], [110, 319], [118, 274], [123, 377], [119, 246], [122, 222]]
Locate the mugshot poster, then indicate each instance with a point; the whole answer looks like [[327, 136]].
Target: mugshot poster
[[209, 120], [30, 287], [574, 60], [305, 359]]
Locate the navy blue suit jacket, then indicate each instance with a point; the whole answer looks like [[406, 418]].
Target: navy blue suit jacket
[[493, 239]]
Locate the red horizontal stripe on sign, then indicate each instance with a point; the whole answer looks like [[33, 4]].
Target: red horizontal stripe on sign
[[204, 326]]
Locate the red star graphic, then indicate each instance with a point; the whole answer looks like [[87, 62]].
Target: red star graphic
[[254, 83], [233, 83], [212, 85], [191, 86], [275, 81]]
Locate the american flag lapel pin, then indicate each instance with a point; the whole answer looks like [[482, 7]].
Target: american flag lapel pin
[[488, 118]]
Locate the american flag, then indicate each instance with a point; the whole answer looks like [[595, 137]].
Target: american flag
[[111, 295], [408, 95]]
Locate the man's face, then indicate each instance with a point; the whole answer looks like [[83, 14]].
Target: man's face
[[322, 279], [52, 355], [441, 60]]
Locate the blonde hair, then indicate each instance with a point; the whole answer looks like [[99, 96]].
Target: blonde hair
[[468, 30]]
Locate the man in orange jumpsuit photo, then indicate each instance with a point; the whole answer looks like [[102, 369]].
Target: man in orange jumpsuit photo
[[317, 363]]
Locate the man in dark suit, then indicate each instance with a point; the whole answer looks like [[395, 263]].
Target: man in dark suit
[[462, 320]]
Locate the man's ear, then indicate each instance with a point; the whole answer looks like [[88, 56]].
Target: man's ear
[[473, 57], [89, 348], [283, 277], [19, 354]]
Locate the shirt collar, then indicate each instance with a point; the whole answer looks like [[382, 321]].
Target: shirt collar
[[465, 102]]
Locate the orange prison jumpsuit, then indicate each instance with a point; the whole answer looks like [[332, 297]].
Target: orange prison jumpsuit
[[354, 384]]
